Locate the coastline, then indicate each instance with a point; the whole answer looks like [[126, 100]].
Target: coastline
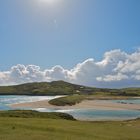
[[86, 104]]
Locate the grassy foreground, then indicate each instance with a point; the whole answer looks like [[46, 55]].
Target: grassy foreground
[[58, 129]]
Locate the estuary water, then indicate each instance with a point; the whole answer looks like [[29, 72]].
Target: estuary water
[[82, 114], [6, 101], [97, 115]]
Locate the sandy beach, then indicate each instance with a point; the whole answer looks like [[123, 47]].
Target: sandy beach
[[87, 104]]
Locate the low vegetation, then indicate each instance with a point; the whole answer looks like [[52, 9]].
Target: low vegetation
[[35, 114], [68, 100], [13, 128]]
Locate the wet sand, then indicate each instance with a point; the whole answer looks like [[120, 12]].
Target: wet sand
[[86, 104]]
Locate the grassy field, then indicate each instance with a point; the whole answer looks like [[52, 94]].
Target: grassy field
[[58, 129]]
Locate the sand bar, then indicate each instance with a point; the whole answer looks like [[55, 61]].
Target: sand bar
[[87, 104]]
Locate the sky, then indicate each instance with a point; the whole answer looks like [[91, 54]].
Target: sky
[[89, 42]]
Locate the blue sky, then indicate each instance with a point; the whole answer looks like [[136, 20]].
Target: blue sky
[[66, 32], [94, 42]]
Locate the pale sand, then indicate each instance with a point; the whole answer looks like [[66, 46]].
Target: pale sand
[[87, 104]]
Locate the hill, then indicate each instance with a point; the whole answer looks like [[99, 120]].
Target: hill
[[64, 88]]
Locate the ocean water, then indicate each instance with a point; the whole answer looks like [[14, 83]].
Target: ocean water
[[5, 101], [82, 114]]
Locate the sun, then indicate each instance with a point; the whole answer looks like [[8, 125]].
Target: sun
[[49, 1]]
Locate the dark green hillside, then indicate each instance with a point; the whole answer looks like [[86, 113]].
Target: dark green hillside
[[43, 88], [64, 88]]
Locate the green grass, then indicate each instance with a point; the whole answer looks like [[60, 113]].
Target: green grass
[[35, 114], [68, 100], [53, 129]]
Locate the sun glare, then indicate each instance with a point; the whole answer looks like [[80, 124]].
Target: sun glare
[[49, 1]]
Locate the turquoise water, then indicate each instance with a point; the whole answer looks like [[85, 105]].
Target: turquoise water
[[129, 101], [105, 114], [92, 114], [5, 101], [82, 114]]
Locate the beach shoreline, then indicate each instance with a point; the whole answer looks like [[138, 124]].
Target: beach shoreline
[[86, 104]]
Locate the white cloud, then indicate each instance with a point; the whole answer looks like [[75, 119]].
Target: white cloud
[[111, 78], [56, 73], [116, 69]]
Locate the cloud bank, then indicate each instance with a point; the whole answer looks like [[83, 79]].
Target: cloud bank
[[116, 69]]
